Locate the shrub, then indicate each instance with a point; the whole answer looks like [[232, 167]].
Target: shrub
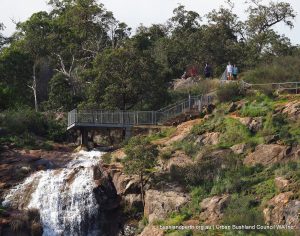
[[230, 92], [24, 120], [281, 69], [235, 132], [106, 158], [188, 147], [242, 210]]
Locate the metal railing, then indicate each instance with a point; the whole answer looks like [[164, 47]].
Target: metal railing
[[289, 86], [130, 118]]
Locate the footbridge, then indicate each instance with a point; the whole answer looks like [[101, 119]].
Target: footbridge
[[92, 119]]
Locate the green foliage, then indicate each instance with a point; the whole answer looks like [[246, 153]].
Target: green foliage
[[163, 133], [188, 147], [280, 69], [229, 92], [235, 132], [141, 156], [106, 158], [24, 120], [260, 106], [213, 124], [127, 79], [242, 210], [60, 95]]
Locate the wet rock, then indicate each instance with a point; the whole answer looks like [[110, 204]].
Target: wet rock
[[125, 184], [133, 201], [151, 230], [212, 138], [159, 204], [212, 208], [281, 210], [267, 154]]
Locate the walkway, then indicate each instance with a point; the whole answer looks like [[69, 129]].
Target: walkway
[[122, 119]]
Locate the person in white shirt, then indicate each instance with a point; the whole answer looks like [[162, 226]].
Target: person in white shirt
[[229, 71]]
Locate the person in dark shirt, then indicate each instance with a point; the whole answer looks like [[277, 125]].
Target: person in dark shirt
[[207, 71]]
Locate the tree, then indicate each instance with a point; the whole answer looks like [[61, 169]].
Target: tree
[[141, 157], [15, 74], [2, 38], [127, 79], [34, 33], [260, 37]]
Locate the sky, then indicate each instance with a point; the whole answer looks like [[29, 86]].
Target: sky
[[136, 12]]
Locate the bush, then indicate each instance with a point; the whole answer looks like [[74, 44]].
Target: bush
[[281, 69], [242, 210], [230, 92], [188, 147], [24, 120], [235, 132]]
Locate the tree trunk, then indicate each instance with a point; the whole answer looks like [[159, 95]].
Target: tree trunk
[[34, 88], [142, 189]]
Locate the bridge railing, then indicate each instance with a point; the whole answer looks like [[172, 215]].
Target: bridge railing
[[129, 118], [288, 86]]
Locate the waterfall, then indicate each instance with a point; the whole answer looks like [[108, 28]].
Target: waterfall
[[64, 197]]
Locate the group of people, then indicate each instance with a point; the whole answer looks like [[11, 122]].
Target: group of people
[[231, 71]]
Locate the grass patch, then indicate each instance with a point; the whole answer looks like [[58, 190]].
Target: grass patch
[[164, 133], [187, 147]]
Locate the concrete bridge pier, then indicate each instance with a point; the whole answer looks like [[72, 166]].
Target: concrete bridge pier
[[128, 132], [84, 137]]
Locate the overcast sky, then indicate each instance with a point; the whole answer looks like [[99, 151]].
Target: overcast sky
[[135, 12]]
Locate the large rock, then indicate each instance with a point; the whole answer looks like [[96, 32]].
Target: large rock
[[254, 124], [292, 110], [283, 211], [151, 230], [212, 138], [239, 148], [159, 204], [179, 158], [281, 183], [125, 184], [266, 154], [212, 208]]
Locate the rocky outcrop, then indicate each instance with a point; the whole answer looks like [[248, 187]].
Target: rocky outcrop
[[159, 204], [239, 148], [281, 183], [254, 124], [292, 110], [283, 211], [151, 230], [212, 208], [179, 158], [267, 154], [212, 138]]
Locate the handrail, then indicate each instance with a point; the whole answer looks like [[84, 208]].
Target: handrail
[[129, 118]]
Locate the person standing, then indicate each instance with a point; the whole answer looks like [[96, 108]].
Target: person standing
[[207, 71], [229, 71], [235, 72]]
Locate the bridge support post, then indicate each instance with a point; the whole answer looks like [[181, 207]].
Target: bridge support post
[[128, 132], [84, 137]]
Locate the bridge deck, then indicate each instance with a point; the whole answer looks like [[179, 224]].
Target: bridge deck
[[122, 119]]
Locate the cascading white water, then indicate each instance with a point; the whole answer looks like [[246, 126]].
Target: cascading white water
[[64, 197]]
